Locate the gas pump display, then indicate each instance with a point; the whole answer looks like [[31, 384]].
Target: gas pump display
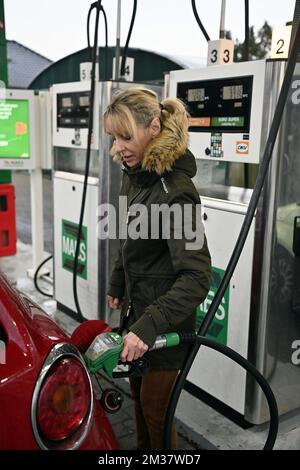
[[71, 106], [218, 104], [225, 104], [73, 109]]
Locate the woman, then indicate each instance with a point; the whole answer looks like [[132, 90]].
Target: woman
[[157, 280]]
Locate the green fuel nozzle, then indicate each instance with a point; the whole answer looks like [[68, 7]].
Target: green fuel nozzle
[[104, 352]]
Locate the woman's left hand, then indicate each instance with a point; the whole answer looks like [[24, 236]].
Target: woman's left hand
[[133, 347]]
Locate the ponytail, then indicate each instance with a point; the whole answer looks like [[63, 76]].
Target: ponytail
[[174, 115]]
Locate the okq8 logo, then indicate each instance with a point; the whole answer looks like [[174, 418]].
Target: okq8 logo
[[2, 352]]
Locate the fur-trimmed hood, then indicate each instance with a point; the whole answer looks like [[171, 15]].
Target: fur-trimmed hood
[[163, 151]]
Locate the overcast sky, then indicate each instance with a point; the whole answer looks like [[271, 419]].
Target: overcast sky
[[56, 28]]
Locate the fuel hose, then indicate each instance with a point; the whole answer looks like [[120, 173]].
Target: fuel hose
[[87, 162], [36, 274]]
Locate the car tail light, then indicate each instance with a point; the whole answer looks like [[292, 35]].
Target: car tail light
[[64, 400]]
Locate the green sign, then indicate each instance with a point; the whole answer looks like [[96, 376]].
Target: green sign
[[14, 129], [228, 121], [69, 237], [219, 327]]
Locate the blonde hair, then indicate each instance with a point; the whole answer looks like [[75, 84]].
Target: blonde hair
[[139, 106]]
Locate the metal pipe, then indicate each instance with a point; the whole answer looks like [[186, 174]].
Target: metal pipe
[[222, 20], [247, 39], [118, 42]]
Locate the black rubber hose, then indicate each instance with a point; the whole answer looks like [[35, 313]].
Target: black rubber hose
[[94, 5], [199, 21], [231, 354], [88, 31], [242, 236], [35, 278], [87, 163], [106, 46], [246, 58], [125, 50]]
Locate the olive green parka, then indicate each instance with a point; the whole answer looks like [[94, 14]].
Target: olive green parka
[[162, 282]]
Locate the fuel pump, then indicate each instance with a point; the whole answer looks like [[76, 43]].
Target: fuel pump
[[232, 109]]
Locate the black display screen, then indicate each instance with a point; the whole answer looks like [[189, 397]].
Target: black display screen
[[222, 105], [73, 109]]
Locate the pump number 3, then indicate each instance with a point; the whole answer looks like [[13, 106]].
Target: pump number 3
[[214, 56]]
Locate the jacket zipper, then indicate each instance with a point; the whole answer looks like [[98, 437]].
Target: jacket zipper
[[129, 204], [164, 185], [125, 319], [127, 221]]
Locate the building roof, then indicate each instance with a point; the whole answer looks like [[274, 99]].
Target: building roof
[[149, 67], [27, 68], [23, 64]]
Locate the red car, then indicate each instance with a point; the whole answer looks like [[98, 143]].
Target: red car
[[46, 397]]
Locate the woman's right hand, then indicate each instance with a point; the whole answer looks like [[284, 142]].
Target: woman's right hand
[[114, 302]]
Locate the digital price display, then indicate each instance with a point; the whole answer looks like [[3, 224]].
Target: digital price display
[[73, 110], [218, 105], [66, 102], [196, 94]]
